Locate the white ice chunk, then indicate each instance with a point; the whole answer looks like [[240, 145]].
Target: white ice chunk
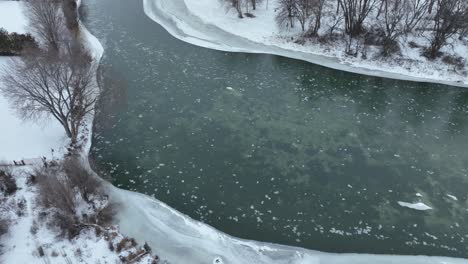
[[452, 197], [416, 206]]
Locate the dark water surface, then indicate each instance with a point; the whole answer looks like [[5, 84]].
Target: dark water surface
[[279, 150]]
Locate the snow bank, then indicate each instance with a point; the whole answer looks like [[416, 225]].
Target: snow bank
[[11, 17], [206, 24], [179, 239], [416, 206]]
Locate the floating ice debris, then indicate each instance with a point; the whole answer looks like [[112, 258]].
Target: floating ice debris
[[418, 194], [217, 260], [229, 88], [416, 206], [452, 197]]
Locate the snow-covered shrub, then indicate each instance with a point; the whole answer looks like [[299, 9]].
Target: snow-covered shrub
[[88, 186], [56, 193], [74, 198], [7, 183], [457, 62]]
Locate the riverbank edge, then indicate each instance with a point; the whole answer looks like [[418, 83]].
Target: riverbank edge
[[136, 220], [209, 39]]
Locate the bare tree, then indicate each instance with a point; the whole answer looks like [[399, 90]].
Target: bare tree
[[302, 10], [448, 20], [237, 5], [416, 10], [286, 13], [393, 12], [46, 21], [254, 3], [58, 85], [317, 12], [355, 13]]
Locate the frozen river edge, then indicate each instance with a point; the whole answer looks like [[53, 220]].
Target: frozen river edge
[[181, 23], [180, 239]]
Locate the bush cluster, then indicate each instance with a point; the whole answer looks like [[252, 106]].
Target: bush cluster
[[7, 183], [65, 189], [12, 44]]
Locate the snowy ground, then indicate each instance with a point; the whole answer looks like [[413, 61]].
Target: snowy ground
[[24, 139], [210, 24]]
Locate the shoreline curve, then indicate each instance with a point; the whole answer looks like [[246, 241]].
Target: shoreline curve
[[176, 18], [180, 239]]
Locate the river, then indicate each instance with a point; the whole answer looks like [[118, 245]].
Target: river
[[279, 150]]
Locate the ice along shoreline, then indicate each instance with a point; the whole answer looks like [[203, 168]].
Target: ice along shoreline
[[180, 22], [179, 239]]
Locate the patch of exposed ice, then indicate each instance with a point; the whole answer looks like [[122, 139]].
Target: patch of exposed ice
[[416, 206], [452, 197], [180, 239]]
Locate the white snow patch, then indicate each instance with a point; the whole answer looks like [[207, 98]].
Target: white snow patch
[[416, 206], [452, 197]]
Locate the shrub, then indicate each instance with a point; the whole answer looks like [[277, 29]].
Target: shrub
[[413, 45], [7, 183], [80, 178], [56, 193], [125, 243], [66, 188], [12, 44], [457, 62], [3, 227]]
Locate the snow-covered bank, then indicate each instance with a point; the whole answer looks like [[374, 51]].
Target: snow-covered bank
[[205, 23], [180, 239], [29, 237]]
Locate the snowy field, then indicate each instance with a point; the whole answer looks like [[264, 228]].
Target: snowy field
[[24, 139], [208, 23]]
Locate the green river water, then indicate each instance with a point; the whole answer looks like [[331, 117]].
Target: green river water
[[274, 149]]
